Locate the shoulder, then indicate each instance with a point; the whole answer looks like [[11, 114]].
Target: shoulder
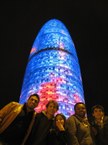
[[11, 104], [15, 104], [72, 117], [106, 119], [70, 121], [39, 115]]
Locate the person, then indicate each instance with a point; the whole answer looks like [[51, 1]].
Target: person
[[42, 124], [58, 134], [16, 121], [99, 123], [79, 127]]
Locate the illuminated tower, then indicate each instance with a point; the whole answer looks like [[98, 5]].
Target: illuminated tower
[[53, 69]]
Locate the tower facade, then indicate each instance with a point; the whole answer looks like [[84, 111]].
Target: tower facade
[[53, 69]]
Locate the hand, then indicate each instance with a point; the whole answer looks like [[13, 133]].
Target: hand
[[60, 126]]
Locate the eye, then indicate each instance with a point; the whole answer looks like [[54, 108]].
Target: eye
[[36, 101]]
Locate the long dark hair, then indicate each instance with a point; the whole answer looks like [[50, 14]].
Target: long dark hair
[[64, 118]]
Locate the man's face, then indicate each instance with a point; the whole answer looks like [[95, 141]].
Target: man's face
[[98, 113], [32, 102], [51, 109]]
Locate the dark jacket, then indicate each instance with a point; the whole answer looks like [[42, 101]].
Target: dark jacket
[[56, 137], [12, 117], [100, 132], [40, 130]]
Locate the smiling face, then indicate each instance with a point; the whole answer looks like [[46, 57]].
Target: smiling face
[[32, 102], [51, 109], [59, 119], [98, 113], [80, 110]]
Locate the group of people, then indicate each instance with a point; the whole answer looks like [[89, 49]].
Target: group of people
[[21, 125]]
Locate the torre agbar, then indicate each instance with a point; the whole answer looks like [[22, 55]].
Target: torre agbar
[[53, 70]]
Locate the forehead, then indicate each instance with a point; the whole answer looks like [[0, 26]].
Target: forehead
[[33, 97], [80, 106], [52, 104], [98, 109], [59, 117]]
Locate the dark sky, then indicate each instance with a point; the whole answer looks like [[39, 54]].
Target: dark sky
[[87, 22]]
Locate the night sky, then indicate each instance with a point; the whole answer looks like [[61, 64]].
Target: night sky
[[87, 22]]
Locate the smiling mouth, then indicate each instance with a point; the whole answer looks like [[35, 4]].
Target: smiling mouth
[[81, 112], [32, 104]]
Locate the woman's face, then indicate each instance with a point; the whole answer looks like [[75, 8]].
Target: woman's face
[[80, 110], [59, 119]]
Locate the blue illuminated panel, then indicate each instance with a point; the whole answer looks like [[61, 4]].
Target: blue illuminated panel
[[53, 69]]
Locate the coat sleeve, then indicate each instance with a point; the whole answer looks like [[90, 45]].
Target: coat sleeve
[[5, 110], [72, 129]]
